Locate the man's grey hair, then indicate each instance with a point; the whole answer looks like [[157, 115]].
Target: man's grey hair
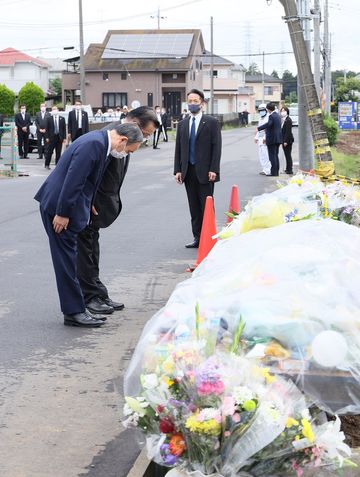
[[130, 130]]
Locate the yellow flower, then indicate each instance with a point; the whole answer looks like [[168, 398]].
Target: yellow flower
[[307, 430], [290, 422], [168, 366], [210, 427], [169, 382], [268, 377], [297, 438]]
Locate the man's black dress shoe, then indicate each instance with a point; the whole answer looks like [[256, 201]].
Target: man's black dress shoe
[[96, 305], [114, 304], [83, 320], [194, 244], [95, 316]]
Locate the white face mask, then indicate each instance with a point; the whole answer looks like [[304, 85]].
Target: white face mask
[[23, 111], [263, 113], [42, 109], [117, 154], [283, 114], [77, 107], [55, 112]]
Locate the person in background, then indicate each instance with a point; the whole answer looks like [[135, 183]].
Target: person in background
[[23, 122], [184, 114], [125, 112], [158, 130], [287, 138], [65, 206], [245, 115], [164, 118], [273, 137], [40, 122], [78, 122], [55, 136], [260, 140], [98, 114], [118, 112], [197, 159]]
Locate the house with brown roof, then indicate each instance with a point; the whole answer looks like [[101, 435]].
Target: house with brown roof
[[140, 67], [17, 68], [265, 88]]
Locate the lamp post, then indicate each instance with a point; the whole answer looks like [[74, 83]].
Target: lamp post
[[82, 66]]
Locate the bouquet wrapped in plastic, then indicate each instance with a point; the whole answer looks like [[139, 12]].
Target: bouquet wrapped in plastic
[[206, 408]]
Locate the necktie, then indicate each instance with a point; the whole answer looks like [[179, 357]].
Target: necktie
[[77, 118], [192, 138], [56, 125]]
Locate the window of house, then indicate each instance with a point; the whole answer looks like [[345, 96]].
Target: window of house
[[215, 74], [124, 75], [268, 90], [111, 100], [106, 76], [150, 100]]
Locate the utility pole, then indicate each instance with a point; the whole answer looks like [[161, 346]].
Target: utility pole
[[263, 77], [211, 65], [317, 20], [325, 166], [327, 60], [306, 147], [159, 17], [82, 66]]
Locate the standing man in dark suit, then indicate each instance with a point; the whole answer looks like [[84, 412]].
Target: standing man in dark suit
[[78, 122], [197, 159], [164, 118], [156, 136], [22, 122], [273, 137], [106, 209], [55, 136], [40, 122], [287, 138], [65, 205]]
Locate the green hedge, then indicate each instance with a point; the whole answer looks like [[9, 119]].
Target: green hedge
[[332, 129]]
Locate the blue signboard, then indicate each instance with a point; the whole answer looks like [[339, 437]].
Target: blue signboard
[[347, 115]]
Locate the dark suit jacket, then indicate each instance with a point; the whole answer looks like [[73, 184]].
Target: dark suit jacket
[[73, 125], [107, 200], [287, 135], [20, 122], [207, 148], [69, 190], [164, 119], [39, 121], [50, 128], [273, 129]]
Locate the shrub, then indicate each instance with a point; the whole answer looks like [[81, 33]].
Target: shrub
[[7, 100], [332, 129]]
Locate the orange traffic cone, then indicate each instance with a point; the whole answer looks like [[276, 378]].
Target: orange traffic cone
[[234, 202], [208, 229]]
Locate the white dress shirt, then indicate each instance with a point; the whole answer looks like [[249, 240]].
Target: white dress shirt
[[197, 121]]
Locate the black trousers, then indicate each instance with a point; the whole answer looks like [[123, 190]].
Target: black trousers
[[196, 194], [88, 264], [273, 151], [163, 129], [63, 247], [77, 134], [23, 143], [41, 143], [55, 143], [156, 137], [289, 162]]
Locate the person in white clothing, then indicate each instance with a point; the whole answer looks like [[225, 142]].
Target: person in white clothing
[[260, 140]]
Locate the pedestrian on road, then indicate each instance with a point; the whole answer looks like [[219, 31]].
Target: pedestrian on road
[[23, 122], [55, 136], [65, 204], [156, 136], [288, 138], [106, 209], [164, 118], [260, 139], [273, 137], [40, 122], [78, 122], [197, 159]]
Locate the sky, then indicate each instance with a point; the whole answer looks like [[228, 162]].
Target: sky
[[241, 27]]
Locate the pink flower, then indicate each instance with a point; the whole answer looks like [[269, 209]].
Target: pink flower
[[228, 406], [236, 417], [206, 387]]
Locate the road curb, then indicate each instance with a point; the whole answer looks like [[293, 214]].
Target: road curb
[[140, 465]]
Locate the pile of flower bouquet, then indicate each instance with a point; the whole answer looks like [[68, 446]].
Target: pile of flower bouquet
[[204, 407]]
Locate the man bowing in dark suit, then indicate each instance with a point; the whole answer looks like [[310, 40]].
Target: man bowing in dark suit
[[273, 138], [22, 122], [78, 122], [65, 202], [197, 159], [55, 136]]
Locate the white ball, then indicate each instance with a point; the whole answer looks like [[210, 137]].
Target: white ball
[[329, 348]]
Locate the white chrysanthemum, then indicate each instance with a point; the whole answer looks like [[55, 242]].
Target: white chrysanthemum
[[209, 413], [330, 439], [149, 381], [242, 394], [131, 421], [127, 411]]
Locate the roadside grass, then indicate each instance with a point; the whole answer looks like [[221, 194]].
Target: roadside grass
[[346, 164]]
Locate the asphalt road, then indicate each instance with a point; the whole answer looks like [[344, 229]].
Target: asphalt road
[[61, 387]]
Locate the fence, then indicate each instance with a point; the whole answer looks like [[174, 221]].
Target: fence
[[8, 149]]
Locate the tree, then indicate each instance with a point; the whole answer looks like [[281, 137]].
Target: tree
[[275, 74], [253, 69], [340, 74], [291, 98], [289, 84], [7, 100], [348, 90], [56, 86], [32, 96]]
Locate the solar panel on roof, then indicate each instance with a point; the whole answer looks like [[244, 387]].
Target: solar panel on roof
[[158, 45]]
